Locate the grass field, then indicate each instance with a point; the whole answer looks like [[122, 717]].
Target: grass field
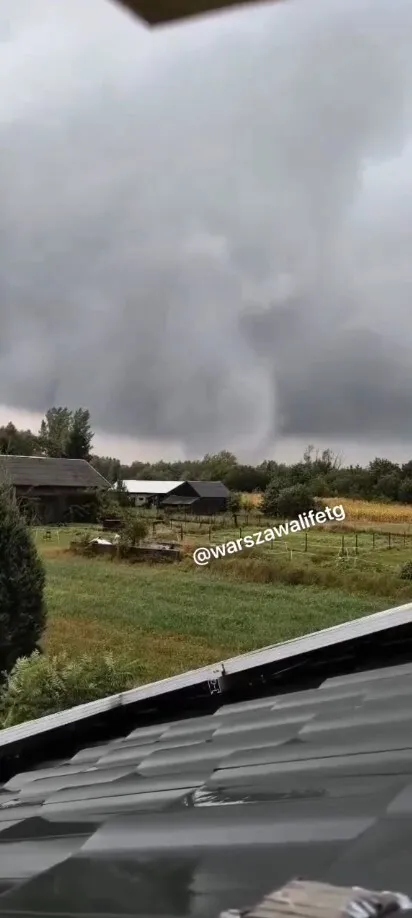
[[167, 619]]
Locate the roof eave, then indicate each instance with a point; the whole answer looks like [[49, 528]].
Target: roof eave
[[164, 12]]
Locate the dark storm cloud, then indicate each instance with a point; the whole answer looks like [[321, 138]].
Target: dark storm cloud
[[206, 230]]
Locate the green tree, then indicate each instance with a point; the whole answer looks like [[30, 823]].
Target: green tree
[[22, 580], [122, 495], [66, 434], [387, 487], [295, 500], [54, 432], [107, 466], [288, 503], [405, 491], [80, 435], [15, 442], [271, 497]]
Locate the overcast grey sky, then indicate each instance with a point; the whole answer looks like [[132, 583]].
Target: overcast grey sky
[[206, 230]]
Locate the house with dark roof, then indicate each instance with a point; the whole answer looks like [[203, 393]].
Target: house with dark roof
[[53, 490], [204, 792], [203, 498]]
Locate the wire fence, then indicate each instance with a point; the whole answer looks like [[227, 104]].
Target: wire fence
[[314, 542]]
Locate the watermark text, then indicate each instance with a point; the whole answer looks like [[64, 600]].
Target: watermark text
[[203, 555]]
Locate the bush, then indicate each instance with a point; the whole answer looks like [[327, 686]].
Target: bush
[[269, 504], [22, 579], [40, 685], [405, 491], [81, 541], [109, 505], [406, 571], [134, 530], [288, 503], [234, 502]]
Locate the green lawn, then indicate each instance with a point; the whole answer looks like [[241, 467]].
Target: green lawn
[[169, 619]]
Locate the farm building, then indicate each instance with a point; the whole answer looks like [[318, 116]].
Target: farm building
[[52, 490], [204, 498]]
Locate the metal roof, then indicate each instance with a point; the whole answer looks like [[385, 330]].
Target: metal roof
[[190, 817], [202, 488], [158, 12], [44, 471], [209, 488], [134, 486]]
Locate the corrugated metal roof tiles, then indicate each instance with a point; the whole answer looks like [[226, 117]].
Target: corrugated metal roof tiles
[[188, 818]]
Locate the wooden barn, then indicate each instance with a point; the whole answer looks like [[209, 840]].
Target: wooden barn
[[53, 491], [204, 498]]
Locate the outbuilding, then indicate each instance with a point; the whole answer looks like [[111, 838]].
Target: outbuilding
[[203, 498], [53, 490]]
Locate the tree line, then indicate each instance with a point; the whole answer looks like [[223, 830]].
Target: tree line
[[67, 433], [63, 434]]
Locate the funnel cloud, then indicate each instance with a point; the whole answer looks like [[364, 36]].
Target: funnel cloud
[[206, 230]]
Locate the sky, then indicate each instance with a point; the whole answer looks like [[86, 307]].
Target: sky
[[206, 229]]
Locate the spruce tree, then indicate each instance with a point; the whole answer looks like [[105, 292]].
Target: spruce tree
[[22, 580]]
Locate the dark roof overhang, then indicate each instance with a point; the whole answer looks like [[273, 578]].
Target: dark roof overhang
[[162, 12]]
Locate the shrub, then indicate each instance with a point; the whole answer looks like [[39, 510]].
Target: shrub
[[406, 571], [134, 530], [234, 502], [109, 505], [22, 580], [288, 503], [405, 491], [269, 504], [81, 542], [40, 685]]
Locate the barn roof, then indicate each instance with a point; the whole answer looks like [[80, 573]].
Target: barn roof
[[209, 488], [43, 471], [159, 12], [165, 814], [202, 488], [135, 486]]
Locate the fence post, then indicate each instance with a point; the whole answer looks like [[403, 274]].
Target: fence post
[[356, 543], [306, 541], [343, 544], [373, 541], [389, 540]]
